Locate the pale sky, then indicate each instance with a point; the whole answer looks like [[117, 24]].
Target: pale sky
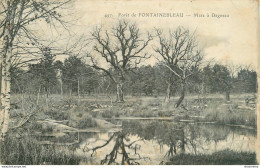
[[231, 39]]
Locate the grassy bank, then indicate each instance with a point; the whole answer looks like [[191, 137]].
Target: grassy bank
[[26, 151], [229, 113], [225, 157], [81, 113]]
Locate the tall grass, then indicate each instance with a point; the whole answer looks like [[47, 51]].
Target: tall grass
[[225, 157], [229, 114], [80, 117], [26, 151]]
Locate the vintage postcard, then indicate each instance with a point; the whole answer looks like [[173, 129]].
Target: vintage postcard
[[129, 82]]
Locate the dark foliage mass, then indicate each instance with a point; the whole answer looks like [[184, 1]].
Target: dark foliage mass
[[78, 78]]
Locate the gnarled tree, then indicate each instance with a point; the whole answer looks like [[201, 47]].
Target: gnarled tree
[[122, 48], [179, 53]]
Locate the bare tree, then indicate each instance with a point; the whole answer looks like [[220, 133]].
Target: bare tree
[[180, 54], [169, 79], [16, 17], [121, 48]]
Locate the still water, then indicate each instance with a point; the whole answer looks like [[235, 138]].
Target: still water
[[151, 142]]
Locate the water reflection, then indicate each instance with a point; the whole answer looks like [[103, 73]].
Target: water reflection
[[150, 142]]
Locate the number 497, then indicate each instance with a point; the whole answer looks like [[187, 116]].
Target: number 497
[[108, 15]]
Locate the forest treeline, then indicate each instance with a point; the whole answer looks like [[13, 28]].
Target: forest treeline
[[181, 67], [74, 77]]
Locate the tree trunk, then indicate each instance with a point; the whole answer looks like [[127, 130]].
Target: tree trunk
[[2, 91], [228, 94], [183, 88], [61, 89], [70, 88], [38, 96], [78, 90], [46, 92], [23, 101], [119, 93], [5, 85], [47, 100], [59, 77], [168, 93], [182, 141]]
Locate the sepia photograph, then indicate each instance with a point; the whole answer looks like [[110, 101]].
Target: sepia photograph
[[129, 82]]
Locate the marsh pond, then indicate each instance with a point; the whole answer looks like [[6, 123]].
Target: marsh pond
[[159, 142]]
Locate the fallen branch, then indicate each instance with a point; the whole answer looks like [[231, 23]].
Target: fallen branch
[[23, 121]]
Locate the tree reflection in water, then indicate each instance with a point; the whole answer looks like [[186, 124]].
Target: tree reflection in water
[[178, 137], [120, 148]]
